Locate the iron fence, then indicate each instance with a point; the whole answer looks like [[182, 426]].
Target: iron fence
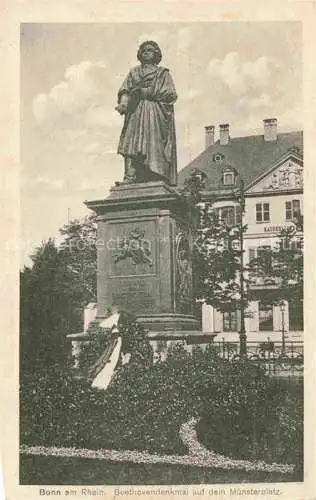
[[278, 359]]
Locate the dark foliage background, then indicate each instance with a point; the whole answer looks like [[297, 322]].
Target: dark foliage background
[[53, 293]]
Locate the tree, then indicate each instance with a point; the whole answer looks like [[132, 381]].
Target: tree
[[80, 255], [48, 310], [284, 263], [53, 294], [216, 250]]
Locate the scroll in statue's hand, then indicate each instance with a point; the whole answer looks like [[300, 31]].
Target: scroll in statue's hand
[[123, 104], [121, 108]]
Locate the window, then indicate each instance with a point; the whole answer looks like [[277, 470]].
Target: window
[[292, 209], [265, 317], [230, 321], [218, 157], [264, 254], [230, 216], [290, 244], [262, 212], [228, 178]]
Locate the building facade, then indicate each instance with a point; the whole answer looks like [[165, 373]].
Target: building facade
[[271, 166]]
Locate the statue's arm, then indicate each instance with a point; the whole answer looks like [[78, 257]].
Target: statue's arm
[[123, 95], [167, 91], [125, 87]]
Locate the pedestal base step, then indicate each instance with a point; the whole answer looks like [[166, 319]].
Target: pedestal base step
[[168, 322], [190, 336]]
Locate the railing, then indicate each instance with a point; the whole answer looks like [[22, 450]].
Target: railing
[[278, 359]]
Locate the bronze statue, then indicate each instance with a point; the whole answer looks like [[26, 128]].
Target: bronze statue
[[147, 140]]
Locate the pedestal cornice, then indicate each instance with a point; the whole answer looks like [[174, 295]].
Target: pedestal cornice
[[134, 196]]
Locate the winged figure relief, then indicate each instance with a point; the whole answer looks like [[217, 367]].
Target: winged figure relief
[[135, 247]]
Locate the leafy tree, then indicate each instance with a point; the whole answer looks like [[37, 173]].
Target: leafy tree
[[284, 263], [54, 292], [48, 310], [79, 253], [216, 250]]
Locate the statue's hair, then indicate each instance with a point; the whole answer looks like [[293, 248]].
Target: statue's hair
[[157, 51]]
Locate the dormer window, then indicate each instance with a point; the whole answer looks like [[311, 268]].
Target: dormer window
[[228, 178], [218, 157]]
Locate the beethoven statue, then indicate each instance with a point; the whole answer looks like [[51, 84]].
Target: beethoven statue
[[147, 141]]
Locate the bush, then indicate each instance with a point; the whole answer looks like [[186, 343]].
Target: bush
[[98, 339], [54, 407], [258, 418], [136, 412], [243, 413]]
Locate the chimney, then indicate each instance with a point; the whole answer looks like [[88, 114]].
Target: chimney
[[224, 134], [270, 129], [209, 135]]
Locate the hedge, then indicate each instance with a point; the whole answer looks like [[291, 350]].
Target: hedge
[[243, 413]]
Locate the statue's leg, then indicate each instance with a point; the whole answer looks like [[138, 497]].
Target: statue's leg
[[136, 170], [130, 170], [144, 174], [148, 175]]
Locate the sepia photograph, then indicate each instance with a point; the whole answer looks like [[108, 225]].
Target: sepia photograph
[[161, 337]]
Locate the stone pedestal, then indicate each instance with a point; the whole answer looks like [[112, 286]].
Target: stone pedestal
[[144, 256]]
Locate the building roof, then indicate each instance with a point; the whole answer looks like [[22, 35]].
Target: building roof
[[252, 156]]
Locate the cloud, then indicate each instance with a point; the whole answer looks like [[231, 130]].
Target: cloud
[[244, 92], [83, 87], [243, 77], [79, 111]]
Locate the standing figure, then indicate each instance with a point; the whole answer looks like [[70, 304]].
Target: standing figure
[[148, 141]]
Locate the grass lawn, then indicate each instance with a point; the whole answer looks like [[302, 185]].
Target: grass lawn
[[39, 470]]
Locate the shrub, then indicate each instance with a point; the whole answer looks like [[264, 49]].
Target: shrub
[[255, 417], [243, 413], [90, 351]]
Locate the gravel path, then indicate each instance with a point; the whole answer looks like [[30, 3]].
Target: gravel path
[[198, 455]]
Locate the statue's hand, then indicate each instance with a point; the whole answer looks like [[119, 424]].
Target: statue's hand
[[121, 108]]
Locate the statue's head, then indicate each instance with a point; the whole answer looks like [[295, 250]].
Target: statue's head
[[150, 52]]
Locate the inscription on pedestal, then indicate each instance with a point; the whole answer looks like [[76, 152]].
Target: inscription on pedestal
[[138, 296]]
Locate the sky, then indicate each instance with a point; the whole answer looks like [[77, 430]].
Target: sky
[[237, 73]]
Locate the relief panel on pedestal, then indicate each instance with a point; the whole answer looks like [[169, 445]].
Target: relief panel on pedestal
[[132, 265], [183, 274], [132, 249]]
